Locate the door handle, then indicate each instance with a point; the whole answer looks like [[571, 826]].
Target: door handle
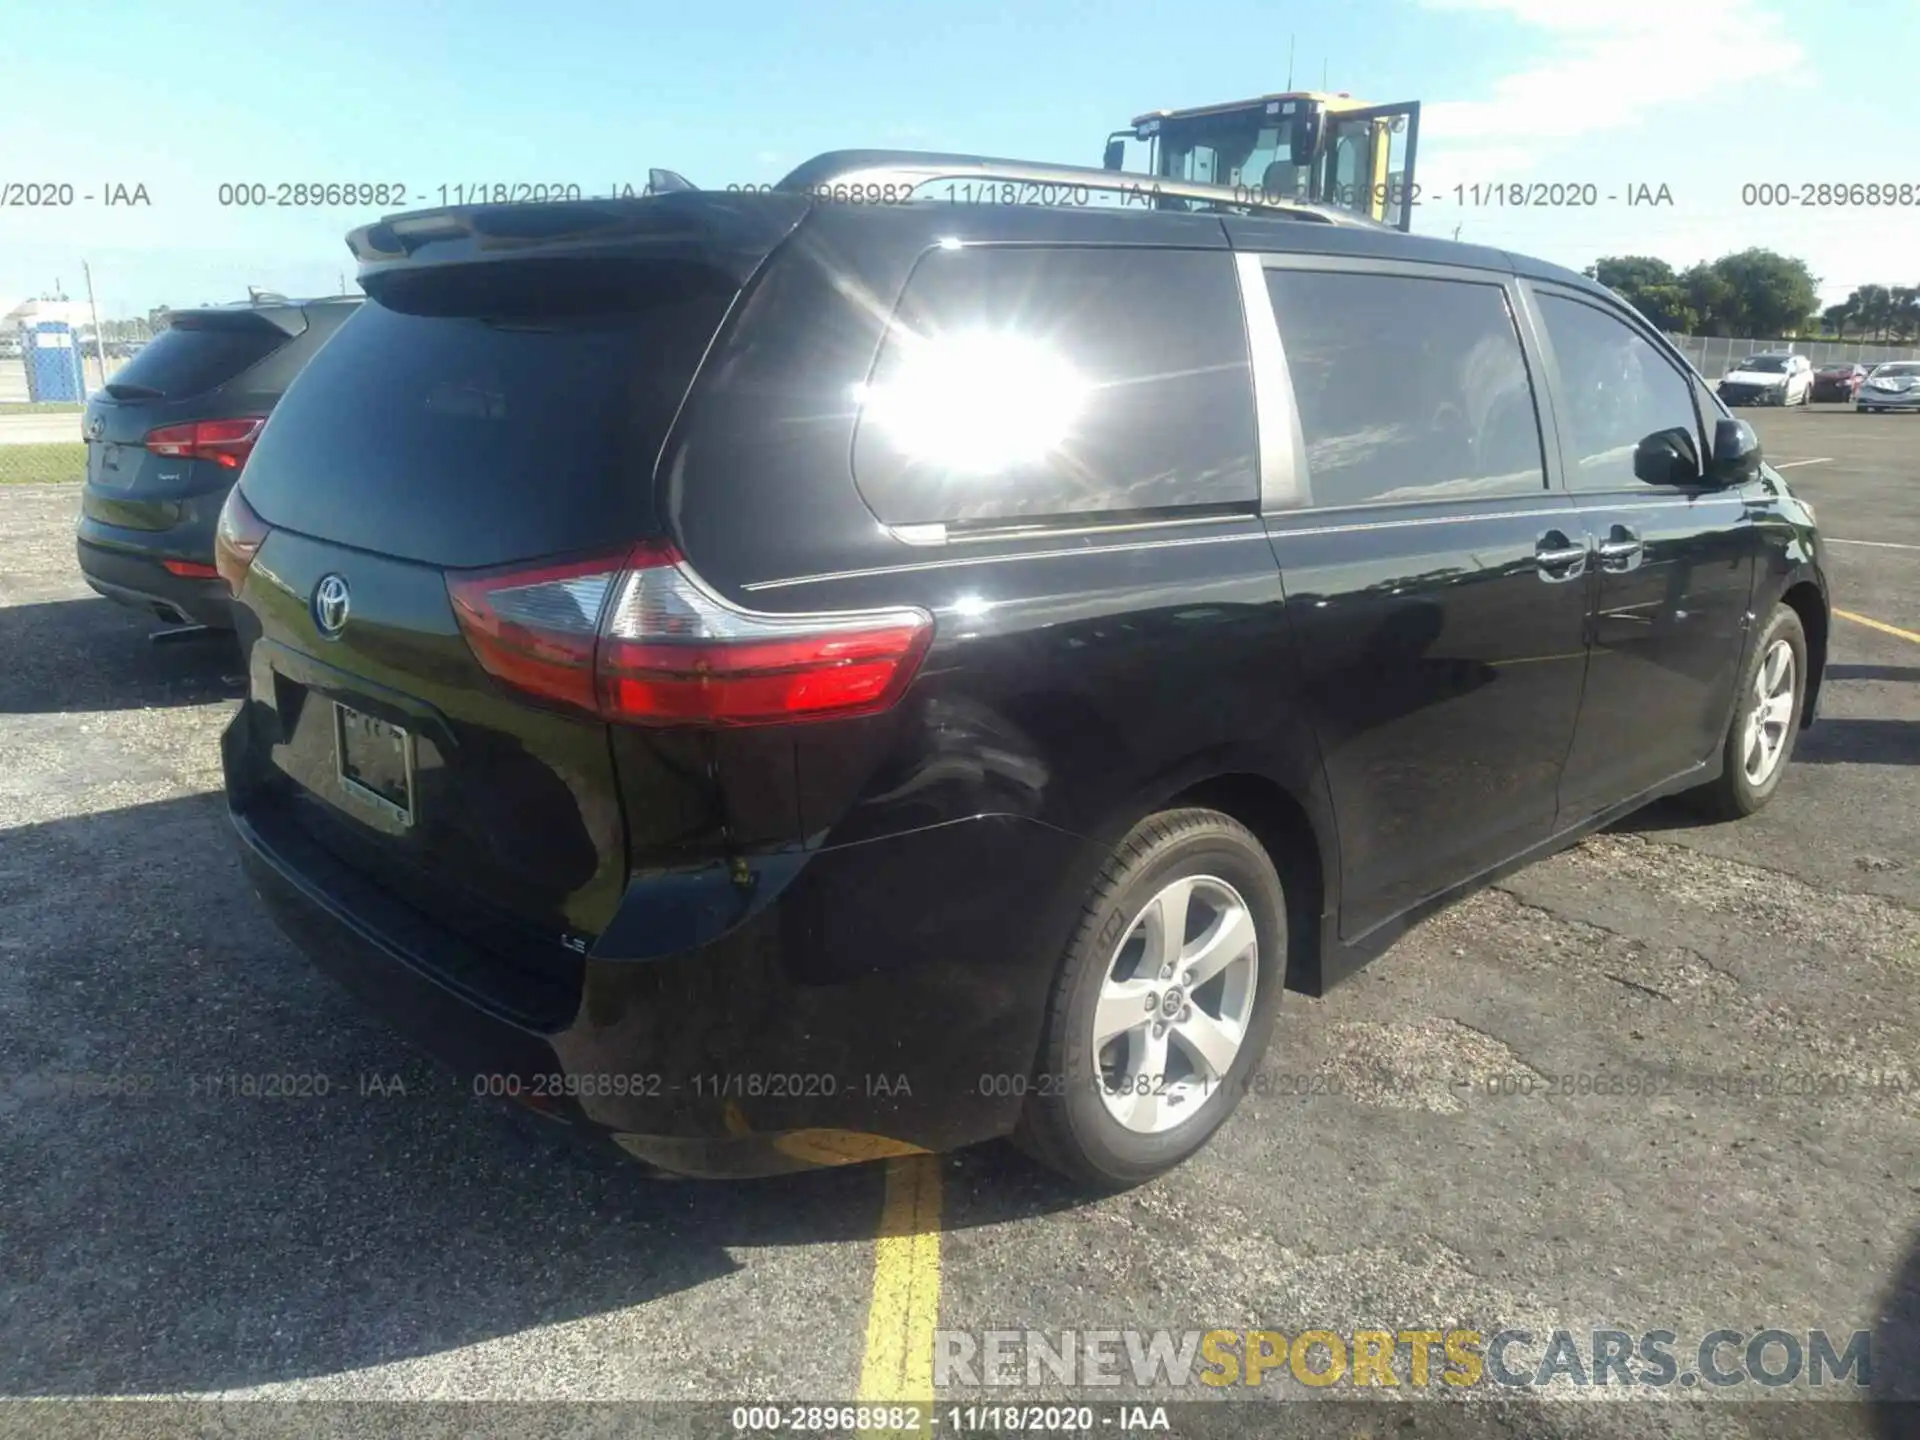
[[1621, 550], [1558, 558]]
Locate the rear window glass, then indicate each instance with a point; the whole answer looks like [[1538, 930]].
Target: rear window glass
[[179, 362], [466, 439], [1034, 383]]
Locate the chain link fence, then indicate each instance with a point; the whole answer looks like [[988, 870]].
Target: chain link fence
[[1712, 354], [40, 440]]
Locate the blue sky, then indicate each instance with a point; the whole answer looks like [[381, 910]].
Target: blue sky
[[1702, 96]]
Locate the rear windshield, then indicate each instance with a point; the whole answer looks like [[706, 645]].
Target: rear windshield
[[492, 418], [180, 362], [1766, 364]]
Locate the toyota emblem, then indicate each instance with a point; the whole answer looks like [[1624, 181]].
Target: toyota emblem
[[330, 605]]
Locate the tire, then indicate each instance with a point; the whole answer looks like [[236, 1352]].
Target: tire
[[1069, 1122], [1739, 791]]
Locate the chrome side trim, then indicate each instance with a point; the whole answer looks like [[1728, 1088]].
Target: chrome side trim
[[1004, 533], [937, 533], [1559, 512], [961, 561], [1667, 502], [1283, 448]]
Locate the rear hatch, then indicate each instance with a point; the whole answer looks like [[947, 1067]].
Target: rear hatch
[[499, 405], [189, 393]]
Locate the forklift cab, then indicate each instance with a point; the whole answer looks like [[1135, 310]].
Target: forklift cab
[[1306, 146]]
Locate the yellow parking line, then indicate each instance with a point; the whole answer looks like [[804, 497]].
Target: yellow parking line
[[898, 1368], [1879, 625]]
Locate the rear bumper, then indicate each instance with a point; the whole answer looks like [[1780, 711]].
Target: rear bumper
[[136, 577], [873, 1006]]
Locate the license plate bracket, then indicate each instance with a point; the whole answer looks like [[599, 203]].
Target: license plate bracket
[[373, 761]]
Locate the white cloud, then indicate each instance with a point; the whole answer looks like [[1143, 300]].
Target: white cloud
[[1607, 66]]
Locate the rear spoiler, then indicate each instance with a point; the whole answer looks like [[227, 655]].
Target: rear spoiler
[[289, 320], [728, 231]]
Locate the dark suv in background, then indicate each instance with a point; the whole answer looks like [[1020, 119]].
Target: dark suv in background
[[778, 680], [166, 438]]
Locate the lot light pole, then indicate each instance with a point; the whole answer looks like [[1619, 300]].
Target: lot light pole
[[99, 351]]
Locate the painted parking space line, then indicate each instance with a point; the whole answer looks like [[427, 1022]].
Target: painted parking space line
[[1875, 544], [898, 1365], [1789, 464], [1880, 625]]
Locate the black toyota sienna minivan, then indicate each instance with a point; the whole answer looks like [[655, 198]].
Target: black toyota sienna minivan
[[776, 680]]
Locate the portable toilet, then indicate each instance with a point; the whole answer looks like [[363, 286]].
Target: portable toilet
[[53, 362]]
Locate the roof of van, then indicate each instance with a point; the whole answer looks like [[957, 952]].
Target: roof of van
[[737, 228]]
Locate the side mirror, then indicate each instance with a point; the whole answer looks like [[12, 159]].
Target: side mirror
[[1736, 454], [1308, 137], [1668, 457], [1116, 154]]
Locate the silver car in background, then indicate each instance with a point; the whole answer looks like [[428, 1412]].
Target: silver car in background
[[1892, 386], [1774, 378]]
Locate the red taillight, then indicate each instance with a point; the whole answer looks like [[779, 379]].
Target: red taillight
[[225, 442], [237, 538], [636, 638], [536, 627], [192, 569]]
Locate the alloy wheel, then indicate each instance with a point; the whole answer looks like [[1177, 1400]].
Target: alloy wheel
[[1175, 1003], [1770, 715]]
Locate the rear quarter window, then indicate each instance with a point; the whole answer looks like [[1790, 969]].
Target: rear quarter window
[[1025, 384]]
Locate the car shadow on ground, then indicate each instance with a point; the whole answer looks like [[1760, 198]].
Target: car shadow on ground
[[1850, 741], [91, 654], [1896, 1351], [1831, 742], [164, 1233], [1873, 672]]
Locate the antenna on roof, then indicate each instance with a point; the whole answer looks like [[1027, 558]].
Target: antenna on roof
[[1289, 62]]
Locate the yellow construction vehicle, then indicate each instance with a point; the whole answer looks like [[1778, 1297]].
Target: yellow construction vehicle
[[1308, 145]]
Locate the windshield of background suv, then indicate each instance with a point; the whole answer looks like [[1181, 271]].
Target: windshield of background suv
[[1765, 364], [1898, 367]]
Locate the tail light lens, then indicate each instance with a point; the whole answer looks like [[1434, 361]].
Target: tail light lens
[[237, 538], [636, 638], [225, 442]]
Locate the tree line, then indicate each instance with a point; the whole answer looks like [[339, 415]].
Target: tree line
[[1756, 294]]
